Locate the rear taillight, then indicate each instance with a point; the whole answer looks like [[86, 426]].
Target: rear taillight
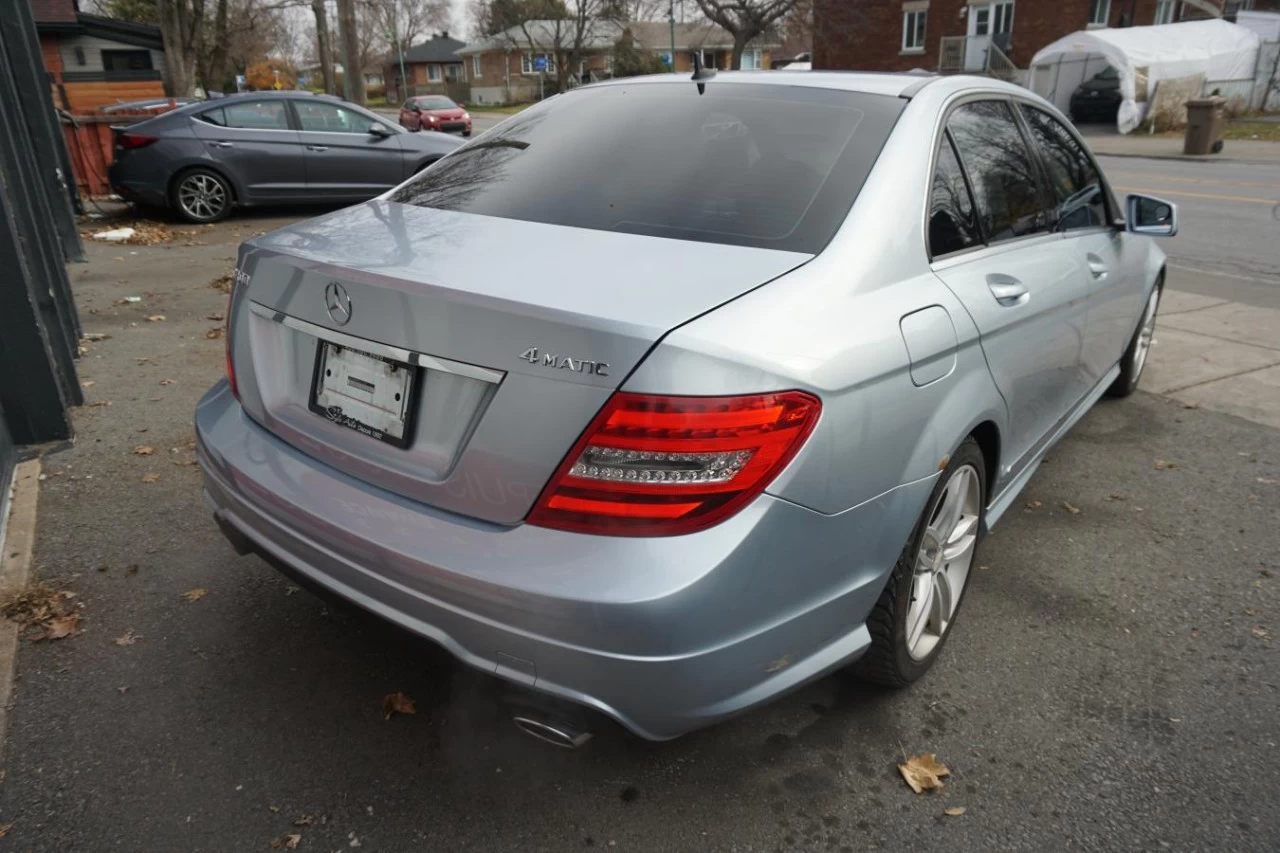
[[663, 466], [226, 336], [131, 141]]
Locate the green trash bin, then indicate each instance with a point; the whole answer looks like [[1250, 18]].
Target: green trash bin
[[1205, 117]]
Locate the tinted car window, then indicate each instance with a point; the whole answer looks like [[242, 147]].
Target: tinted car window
[[213, 117], [256, 115], [953, 224], [437, 103], [1076, 184], [1003, 173], [330, 118], [746, 164]]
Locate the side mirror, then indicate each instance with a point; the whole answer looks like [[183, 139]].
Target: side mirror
[[1152, 216], [378, 129]]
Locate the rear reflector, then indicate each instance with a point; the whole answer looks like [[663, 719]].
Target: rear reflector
[[130, 141], [663, 466]]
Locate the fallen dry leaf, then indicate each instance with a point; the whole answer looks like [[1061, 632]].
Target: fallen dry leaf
[[94, 337], [1267, 481], [61, 626], [286, 842], [150, 477], [1114, 497], [143, 450], [98, 404], [303, 820], [1034, 504], [397, 703], [195, 594], [954, 811], [274, 809], [1261, 633], [157, 318], [222, 282], [1161, 465], [923, 772], [166, 381], [1074, 510], [128, 638], [88, 383], [4, 829], [216, 315], [215, 333]]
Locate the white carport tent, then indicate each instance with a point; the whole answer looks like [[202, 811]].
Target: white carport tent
[[1218, 49]]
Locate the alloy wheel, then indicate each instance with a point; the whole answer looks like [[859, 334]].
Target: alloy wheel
[[943, 562], [1145, 335], [202, 196]]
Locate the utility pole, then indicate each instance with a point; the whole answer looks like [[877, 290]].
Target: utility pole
[[394, 35], [671, 17]]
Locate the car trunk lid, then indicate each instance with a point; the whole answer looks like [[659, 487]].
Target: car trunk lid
[[521, 331]]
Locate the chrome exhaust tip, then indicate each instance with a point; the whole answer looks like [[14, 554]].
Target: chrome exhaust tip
[[555, 733]]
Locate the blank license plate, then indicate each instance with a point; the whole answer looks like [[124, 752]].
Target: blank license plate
[[371, 395]]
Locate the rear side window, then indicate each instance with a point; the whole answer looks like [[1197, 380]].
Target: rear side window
[[256, 115], [213, 117], [953, 223], [744, 164], [1001, 168], [1073, 177]]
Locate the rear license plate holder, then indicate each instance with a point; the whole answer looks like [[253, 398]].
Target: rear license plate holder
[[365, 393]]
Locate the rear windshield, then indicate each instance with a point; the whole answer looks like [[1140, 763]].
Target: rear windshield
[[437, 103], [747, 164]]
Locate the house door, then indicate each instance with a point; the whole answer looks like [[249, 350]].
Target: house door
[[991, 19]]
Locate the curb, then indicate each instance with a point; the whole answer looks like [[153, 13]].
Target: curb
[[1188, 158], [18, 539]]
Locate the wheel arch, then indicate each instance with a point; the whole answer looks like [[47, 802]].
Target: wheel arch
[[236, 195], [987, 434]]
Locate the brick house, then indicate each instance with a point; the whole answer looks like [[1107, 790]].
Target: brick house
[[504, 68], [954, 35], [431, 68], [94, 61]]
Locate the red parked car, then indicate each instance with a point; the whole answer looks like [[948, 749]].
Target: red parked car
[[435, 112]]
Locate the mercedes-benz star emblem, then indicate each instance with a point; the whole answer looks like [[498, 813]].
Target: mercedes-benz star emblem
[[338, 303]]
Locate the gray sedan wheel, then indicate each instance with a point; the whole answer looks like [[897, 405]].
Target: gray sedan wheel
[[1135, 357], [915, 613], [202, 196]]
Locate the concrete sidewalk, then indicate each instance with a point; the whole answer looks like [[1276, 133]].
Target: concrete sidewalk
[[1160, 147], [1217, 354]]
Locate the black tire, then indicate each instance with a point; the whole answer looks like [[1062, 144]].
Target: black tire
[[1130, 365], [887, 661], [468, 133], [214, 188]]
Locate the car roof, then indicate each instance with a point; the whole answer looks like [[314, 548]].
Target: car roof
[[895, 84], [269, 94]]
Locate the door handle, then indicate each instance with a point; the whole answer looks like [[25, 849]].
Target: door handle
[[1007, 290], [224, 145], [1096, 267], [317, 147]]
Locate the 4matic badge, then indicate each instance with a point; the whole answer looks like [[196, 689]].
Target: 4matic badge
[[564, 362]]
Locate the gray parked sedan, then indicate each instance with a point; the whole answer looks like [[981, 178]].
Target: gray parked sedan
[[203, 159], [728, 405]]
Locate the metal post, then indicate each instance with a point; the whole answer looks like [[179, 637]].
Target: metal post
[[671, 17]]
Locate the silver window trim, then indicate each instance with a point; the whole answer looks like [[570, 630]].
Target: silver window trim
[[431, 362]]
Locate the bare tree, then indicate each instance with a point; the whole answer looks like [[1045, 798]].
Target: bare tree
[[352, 61], [182, 30], [404, 22], [324, 45], [745, 19]]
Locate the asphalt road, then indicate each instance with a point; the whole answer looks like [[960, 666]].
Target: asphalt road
[[1229, 215], [1111, 683]]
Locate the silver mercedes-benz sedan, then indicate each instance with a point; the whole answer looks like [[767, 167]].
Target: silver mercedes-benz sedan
[[666, 396]]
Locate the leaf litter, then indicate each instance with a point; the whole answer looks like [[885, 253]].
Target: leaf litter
[[196, 594], [40, 605], [923, 772], [397, 703]]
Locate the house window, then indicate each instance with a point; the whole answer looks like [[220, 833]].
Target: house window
[[1099, 13], [126, 60], [1002, 18], [1164, 12], [475, 66], [433, 73], [528, 62], [453, 73], [751, 59], [913, 23]]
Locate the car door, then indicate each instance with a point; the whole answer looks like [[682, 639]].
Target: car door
[[1085, 215], [344, 161], [1019, 281], [255, 143]]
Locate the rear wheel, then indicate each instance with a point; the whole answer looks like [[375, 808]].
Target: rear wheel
[[201, 195], [1135, 357], [913, 618]]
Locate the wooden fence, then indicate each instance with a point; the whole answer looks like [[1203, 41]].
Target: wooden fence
[[89, 144]]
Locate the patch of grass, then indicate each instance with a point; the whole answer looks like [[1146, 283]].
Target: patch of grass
[[1252, 130], [510, 109]]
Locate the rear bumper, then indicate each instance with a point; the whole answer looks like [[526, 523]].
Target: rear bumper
[[663, 635], [135, 188]]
